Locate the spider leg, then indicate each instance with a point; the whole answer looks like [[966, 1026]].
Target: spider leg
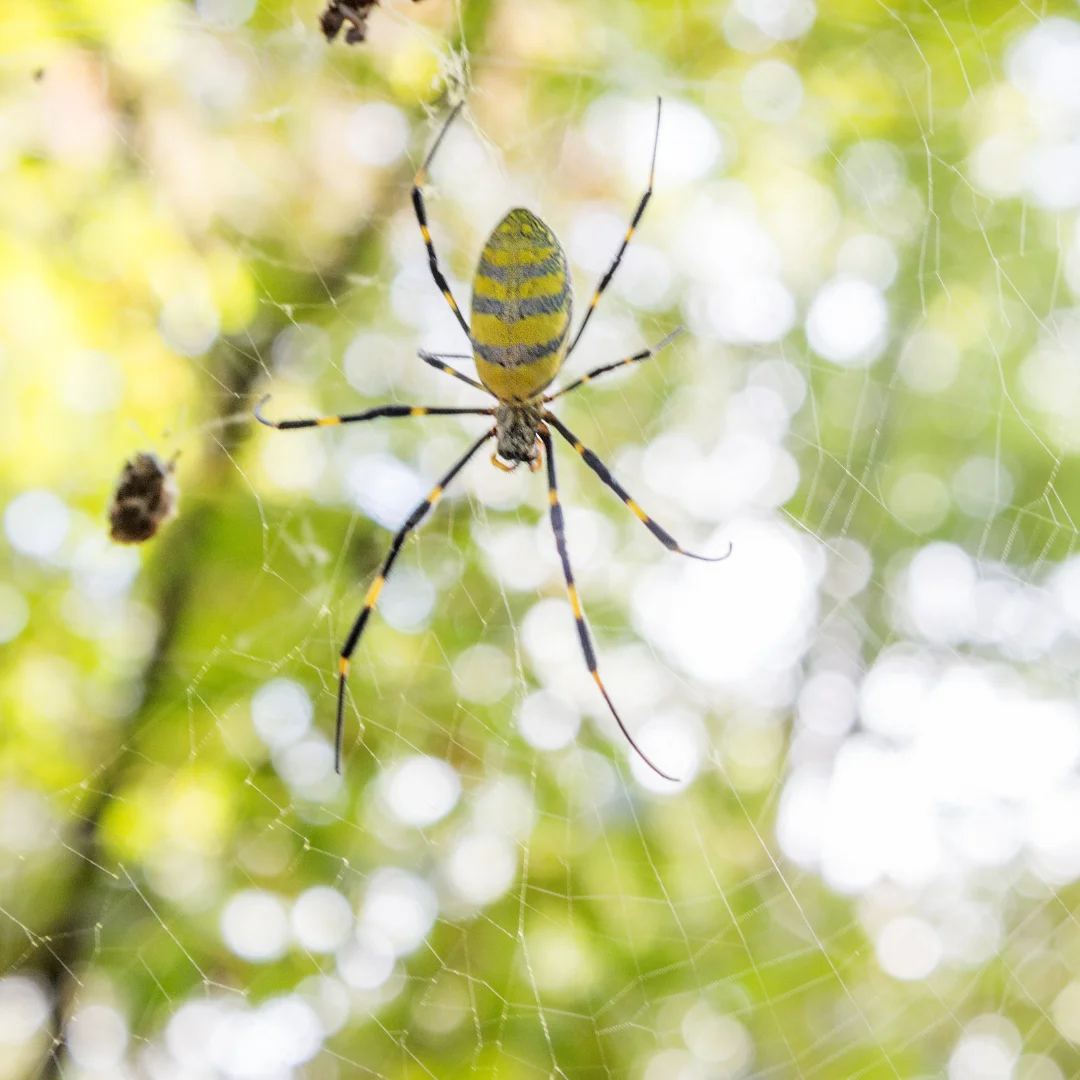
[[367, 414], [604, 473], [439, 363], [652, 350], [579, 615], [411, 523], [606, 279], [421, 217]]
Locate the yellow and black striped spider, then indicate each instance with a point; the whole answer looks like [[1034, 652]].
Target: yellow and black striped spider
[[520, 332]]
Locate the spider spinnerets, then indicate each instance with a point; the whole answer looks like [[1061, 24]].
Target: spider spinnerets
[[520, 336]]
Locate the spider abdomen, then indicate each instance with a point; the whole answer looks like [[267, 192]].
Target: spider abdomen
[[521, 308]]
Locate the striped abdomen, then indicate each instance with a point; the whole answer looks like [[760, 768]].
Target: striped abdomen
[[521, 308]]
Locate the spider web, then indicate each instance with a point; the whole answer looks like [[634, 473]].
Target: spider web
[[864, 217]]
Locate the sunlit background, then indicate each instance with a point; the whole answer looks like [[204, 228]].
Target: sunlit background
[[865, 218]]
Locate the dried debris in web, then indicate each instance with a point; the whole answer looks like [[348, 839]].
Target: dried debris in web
[[145, 498], [353, 12]]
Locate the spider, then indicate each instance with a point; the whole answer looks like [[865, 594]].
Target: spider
[[520, 338]]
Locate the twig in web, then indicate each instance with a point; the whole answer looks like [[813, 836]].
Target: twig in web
[[71, 938], [354, 12]]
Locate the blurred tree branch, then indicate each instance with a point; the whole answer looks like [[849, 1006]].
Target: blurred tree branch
[[236, 368]]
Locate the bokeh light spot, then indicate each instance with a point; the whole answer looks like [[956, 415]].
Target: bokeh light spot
[[377, 133], [400, 907], [37, 523], [97, 1037], [255, 925], [281, 711], [772, 91], [848, 322], [482, 866], [24, 1008], [420, 790], [908, 948], [483, 674], [548, 721]]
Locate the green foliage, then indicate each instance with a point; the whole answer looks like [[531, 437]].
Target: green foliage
[[162, 163]]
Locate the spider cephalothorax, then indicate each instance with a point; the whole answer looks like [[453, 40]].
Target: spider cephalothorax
[[516, 428], [520, 336]]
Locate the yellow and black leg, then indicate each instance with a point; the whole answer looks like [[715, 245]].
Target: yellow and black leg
[[367, 414], [606, 279], [438, 361], [636, 358], [575, 603], [421, 217], [604, 473], [400, 536]]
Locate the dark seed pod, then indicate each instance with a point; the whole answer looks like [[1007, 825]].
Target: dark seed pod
[[330, 21], [354, 12], [145, 498]]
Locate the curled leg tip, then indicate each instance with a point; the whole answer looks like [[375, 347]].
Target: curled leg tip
[[707, 558], [657, 770], [258, 411], [626, 732]]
